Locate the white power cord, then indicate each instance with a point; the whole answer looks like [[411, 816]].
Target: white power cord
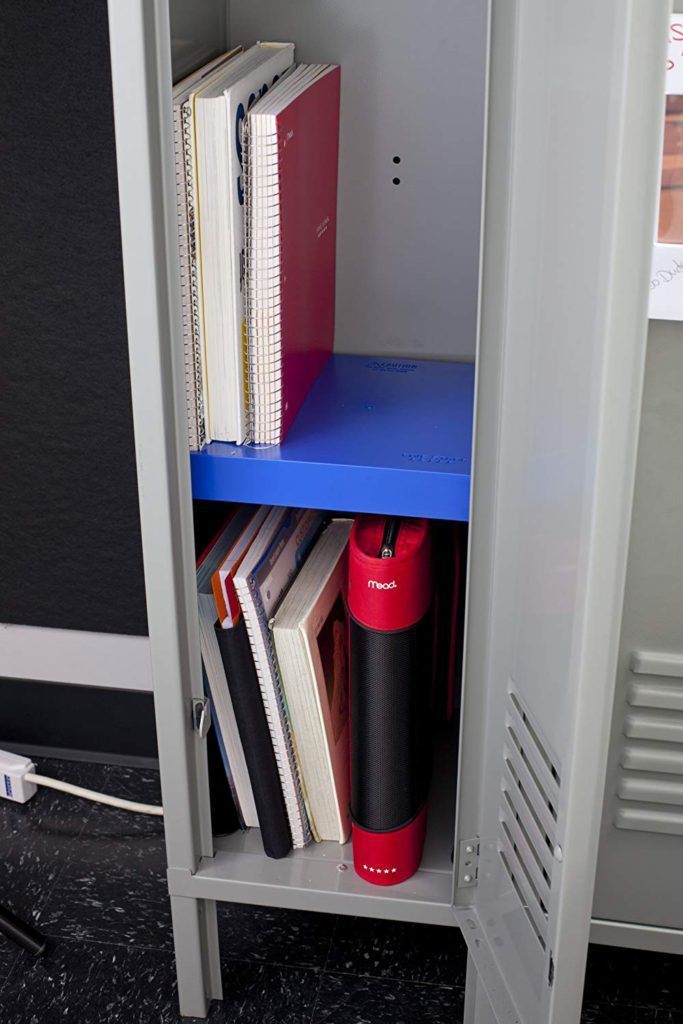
[[90, 794], [18, 782]]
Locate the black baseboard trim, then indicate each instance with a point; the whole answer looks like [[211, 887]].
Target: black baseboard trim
[[38, 754], [83, 723]]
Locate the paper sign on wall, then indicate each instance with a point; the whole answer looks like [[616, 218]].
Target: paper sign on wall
[[666, 282]]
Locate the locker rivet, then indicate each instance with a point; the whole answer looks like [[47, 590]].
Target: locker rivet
[[557, 854], [469, 849], [467, 878], [342, 867]]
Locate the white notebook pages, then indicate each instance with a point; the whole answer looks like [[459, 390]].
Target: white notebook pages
[[311, 641], [219, 110]]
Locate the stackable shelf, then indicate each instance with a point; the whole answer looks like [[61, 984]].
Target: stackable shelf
[[374, 435], [383, 435]]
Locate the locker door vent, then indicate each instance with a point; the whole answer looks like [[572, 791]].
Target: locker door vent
[[650, 784], [528, 815]]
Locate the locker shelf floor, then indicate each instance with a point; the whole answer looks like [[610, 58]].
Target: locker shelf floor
[[321, 877], [93, 879]]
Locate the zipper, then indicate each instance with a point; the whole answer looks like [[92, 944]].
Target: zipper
[[390, 538]]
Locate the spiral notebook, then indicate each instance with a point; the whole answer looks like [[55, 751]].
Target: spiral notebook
[[186, 203], [261, 582], [291, 145], [219, 110], [245, 694], [222, 708], [255, 735]]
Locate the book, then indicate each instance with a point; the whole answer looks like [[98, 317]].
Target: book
[[222, 711], [245, 694], [222, 581], [219, 110], [186, 196], [291, 145], [311, 640], [250, 715], [266, 572]]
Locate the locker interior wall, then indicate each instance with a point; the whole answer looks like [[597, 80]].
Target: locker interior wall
[[198, 32], [638, 878], [413, 80]]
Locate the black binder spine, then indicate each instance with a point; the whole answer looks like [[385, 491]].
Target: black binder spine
[[254, 733]]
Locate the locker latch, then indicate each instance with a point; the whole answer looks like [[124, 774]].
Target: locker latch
[[468, 862], [201, 716]]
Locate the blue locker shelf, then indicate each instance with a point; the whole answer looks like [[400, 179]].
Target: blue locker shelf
[[374, 435]]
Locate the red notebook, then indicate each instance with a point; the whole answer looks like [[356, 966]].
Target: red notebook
[[292, 153]]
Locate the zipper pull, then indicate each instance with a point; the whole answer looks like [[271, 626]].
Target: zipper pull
[[391, 528]]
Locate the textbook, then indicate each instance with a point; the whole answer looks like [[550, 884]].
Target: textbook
[[311, 640]]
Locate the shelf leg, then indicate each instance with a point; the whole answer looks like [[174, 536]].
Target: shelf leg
[[195, 933], [477, 1007]]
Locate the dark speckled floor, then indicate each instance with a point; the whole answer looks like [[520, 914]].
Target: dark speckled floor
[[93, 880]]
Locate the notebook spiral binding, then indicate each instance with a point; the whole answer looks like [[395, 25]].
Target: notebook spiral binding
[[187, 232], [307, 833], [280, 732], [263, 284]]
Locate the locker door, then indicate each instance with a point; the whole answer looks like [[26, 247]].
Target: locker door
[[573, 148]]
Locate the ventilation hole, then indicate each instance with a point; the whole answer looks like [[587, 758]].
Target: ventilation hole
[[530, 768], [534, 735], [530, 786], [522, 900], [527, 803], [397, 181], [519, 854], [530, 842], [397, 159]]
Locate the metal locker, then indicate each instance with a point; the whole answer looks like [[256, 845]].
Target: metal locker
[[573, 127], [637, 890], [638, 897]]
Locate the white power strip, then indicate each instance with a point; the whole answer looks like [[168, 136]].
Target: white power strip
[[14, 768], [20, 783]]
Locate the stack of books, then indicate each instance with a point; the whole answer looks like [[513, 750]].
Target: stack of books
[[256, 149], [272, 587], [273, 633]]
